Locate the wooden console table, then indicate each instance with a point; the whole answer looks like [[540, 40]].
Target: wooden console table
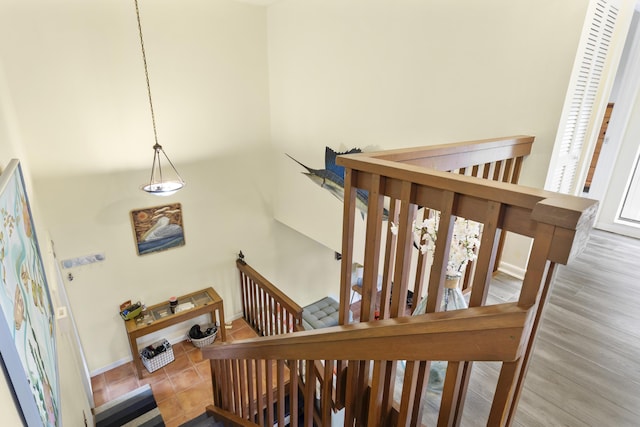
[[159, 316]]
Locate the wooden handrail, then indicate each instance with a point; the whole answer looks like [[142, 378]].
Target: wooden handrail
[[446, 157], [282, 298], [265, 307], [490, 333]]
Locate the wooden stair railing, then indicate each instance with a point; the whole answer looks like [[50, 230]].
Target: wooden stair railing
[[364, 356], [265, 307], [557, 224], [242, 370], [496, 159]]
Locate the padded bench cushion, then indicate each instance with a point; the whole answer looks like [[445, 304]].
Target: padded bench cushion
[[320, 314]]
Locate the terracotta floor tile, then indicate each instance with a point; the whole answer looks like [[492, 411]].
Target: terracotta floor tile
[[98, 382], [163, 390], [241, 334], [196, 397], [170, 409], [195, 356], [204, 369], [121, 387], [180, 363], [153, 377], [180, 347], [185, 379], [119, 373], [238, 323], [100, 397]]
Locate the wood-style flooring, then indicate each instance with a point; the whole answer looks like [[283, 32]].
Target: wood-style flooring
[[585, 369]]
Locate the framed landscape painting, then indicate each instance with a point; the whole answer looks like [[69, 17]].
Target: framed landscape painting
[[27, 319], [158, 228]]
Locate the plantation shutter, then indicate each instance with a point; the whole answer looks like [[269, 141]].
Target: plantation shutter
[[579, 115]]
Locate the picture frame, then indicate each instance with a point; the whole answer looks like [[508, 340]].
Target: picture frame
[[158, 228], [27, 317]]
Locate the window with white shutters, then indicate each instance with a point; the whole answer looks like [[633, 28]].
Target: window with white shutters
[[579, 116]]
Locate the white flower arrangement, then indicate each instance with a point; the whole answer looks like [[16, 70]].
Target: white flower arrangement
[[464, 242]]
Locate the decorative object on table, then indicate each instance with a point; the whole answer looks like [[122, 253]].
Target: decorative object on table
[[160, 183], [452, 299], [200, 336], [183, 306], [173, 303], [157, 355], [465, 241], [27, 318], [158, 228], [129, 311]]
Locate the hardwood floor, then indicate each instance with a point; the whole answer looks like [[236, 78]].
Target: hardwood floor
[[585, 369]]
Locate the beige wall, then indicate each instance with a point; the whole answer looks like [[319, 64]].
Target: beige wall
[[227, 200], [75, 403], [216, 96], [378, 74]]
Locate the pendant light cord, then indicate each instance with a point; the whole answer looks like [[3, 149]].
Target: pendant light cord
[[146, 74]]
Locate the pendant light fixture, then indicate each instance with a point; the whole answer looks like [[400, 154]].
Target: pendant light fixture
[[158, 184]]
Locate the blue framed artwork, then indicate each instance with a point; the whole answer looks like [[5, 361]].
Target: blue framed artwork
[[27, 323], [158, 228]]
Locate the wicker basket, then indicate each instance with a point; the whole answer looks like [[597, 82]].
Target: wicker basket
[[160, 359], [201, 342]]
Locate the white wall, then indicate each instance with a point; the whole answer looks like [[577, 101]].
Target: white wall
[[385, 74]]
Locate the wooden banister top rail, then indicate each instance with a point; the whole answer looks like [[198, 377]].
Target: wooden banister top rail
[[490, 333], [523, 206], [457, 155], [289, 304]]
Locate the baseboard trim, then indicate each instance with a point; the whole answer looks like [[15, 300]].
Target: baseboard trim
[[512, 270], [172, 338]]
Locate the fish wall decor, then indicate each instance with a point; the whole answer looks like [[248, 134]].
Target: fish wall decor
[[331, 178]]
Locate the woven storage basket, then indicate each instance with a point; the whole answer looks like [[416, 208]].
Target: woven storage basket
[[201, 342], [160, 359]]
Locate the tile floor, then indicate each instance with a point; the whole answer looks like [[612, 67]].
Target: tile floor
[[182, 388]]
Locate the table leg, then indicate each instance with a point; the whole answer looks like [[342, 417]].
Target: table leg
[[223, 327], [133, 343]]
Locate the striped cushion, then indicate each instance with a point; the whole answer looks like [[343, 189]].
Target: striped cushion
[[134, 409]]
